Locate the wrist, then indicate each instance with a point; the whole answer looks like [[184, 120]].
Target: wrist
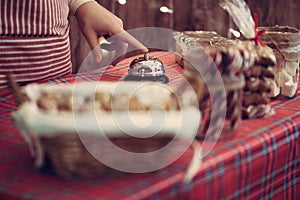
[[74, 5]]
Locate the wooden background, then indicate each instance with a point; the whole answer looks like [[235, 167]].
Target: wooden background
[[188, 15]]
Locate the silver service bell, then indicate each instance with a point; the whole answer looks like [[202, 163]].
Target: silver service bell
[[146, 68]]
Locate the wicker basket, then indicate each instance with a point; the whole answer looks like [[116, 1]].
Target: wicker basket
[[70, 158], [90, 142]]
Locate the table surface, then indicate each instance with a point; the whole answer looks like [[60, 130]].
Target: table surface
[[260, 161]]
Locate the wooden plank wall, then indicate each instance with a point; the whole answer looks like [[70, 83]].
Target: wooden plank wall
[[188, 15]]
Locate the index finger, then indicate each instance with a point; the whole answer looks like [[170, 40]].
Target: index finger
[[126, 37]]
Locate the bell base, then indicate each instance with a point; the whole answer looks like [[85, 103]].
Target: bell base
[[161, 79]]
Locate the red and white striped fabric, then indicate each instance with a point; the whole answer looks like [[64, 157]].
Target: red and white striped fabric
[[34, 39]]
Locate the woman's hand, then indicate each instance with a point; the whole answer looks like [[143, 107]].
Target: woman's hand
[[95, 21]]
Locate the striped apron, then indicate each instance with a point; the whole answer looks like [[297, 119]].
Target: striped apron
[[34, 40]]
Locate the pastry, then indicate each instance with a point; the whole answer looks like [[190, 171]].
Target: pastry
[[259, 81], [148, 97], [215, 66], [285, 42]]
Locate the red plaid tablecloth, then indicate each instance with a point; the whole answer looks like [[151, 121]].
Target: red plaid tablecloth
[[261, 161]]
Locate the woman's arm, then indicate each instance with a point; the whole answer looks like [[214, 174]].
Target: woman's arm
[[95, 21]]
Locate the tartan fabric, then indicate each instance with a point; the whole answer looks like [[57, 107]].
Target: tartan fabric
[[261, 161]]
